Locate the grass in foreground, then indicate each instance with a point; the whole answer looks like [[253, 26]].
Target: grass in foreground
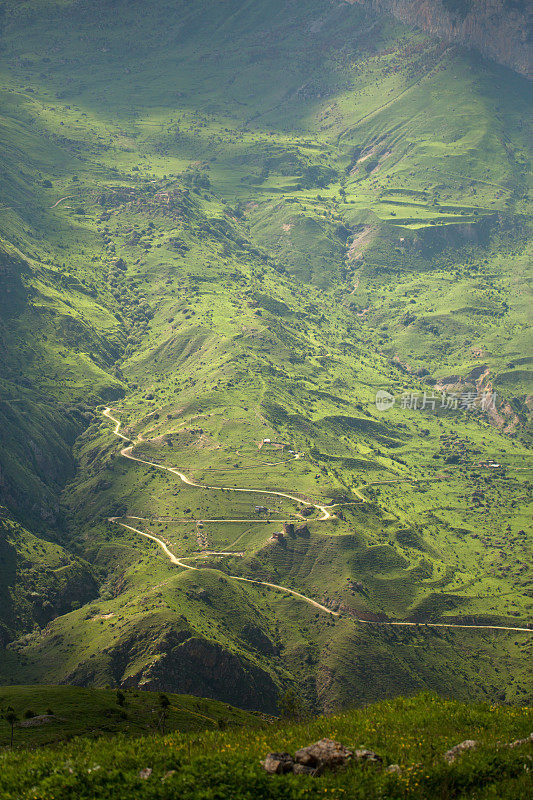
[[412, 732]]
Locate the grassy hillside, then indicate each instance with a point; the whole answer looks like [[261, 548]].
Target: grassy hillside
[[39, 580], [56, 714], [234, 233], [413, 733]]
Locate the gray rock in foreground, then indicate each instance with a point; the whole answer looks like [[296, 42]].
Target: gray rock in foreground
[[278, 763], [368, 755], [519, 742], [459, 749], [328, 754], [317, 757], [324, 753]]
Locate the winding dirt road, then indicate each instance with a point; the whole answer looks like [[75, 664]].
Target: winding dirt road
[[126, 452], [68, 197], [180, 562]]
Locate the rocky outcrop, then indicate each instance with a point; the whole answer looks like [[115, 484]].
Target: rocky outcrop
[[499, 29], [453, 753], [325, 754], [288, 528], [205, 668], [174, 658]]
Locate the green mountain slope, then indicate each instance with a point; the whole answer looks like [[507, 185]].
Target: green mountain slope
[[38, 580], [56, 714], [233, 224], [413, 734]]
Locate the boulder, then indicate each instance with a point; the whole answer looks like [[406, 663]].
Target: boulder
[[519, 742], [368, 755], [324, 753], [451, 755], [395, 769], [316, 758], [301, 769], [278, 763]]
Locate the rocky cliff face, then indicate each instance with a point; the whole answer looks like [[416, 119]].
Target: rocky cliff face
[[499, 29], [164, 657]]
